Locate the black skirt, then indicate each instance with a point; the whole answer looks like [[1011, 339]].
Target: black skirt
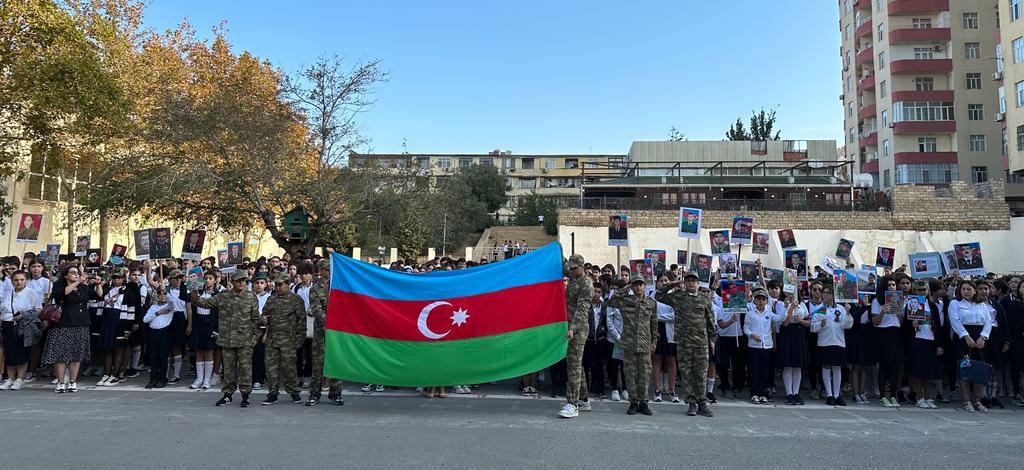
[[863, 349], [974, 331], [890, 346], [792, 347], [830, 356], [923, 363], [112, 329], [177, 328], [664, 348], [202, 333], [15, 352]]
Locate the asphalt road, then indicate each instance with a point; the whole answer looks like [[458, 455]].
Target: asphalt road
[[125, 427]]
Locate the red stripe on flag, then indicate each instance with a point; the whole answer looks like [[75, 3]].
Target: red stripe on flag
[[487, 314]]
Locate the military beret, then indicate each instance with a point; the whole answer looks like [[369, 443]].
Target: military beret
[[575, 260], [283, 278], [238, 276]]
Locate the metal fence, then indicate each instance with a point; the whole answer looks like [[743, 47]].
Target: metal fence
[[782, 205]]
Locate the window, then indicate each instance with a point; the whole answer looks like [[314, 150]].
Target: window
[[887, 179], [1002, 100], [1020, 137], [1005, 137], [527, 183], [847, 33], [922, 23], [971, 21], [572, 163], [923, 53], [527, 163], [1018, 50], [549, 164], [975, 112], [444, 162], [465, 162], [976, 143], [883, 89], [885, 147], [669, 199], [486, 161], [508, 163], [1019, 89], [973, 81], [881, 32], [923, 111], [797, 198], [999, 57], [915, 173], [848, 59], [423, 163], [853, 135], [881, 60], [924, 83], [692, 197], [1014, 10], [972, 50], [849, 109], [885, 118], [979, 174], [927, 144]]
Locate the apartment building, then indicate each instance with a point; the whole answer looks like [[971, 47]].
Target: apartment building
[[921, 100], [1010, 71]]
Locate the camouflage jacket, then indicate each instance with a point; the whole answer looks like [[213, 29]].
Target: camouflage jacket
[[318, 295], [286, 320], [578, 294], [238, 314], [639, 320], [695, 320]]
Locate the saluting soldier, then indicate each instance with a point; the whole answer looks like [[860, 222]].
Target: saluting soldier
[[695, 335], [639, 337], [238, 333], [579, 293], [285, 316], [318, 295]]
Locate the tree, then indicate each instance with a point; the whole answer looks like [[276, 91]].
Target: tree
[[676, 135], [485, 183], [533, 205], [762, 125]]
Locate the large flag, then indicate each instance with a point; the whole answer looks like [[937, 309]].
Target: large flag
[[492, 322]]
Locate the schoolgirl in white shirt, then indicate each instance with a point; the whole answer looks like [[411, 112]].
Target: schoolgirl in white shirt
[[971, 324], [831, 326]]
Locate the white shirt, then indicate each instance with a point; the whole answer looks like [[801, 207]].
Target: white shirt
[[667, 315], [303, 291], [159, 322], [734, 329], [6, 286], [759, 323], [174, 297], [24, 301], [889, 320], [832, 333], [965, 312], [924, 329], [261, 300], [43, 285]]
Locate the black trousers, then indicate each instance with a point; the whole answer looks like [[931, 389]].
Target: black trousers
[[304, 358], [759, 371], [732, 362], [595, 355], [159, 342], [559, 375], [259, 363], [616, 375]]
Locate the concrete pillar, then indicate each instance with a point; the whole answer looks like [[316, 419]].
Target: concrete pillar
[[431, 253], [469, 253], [357, 253], [393, 255]]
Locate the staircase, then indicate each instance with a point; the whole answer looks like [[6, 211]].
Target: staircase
[[534, 236]]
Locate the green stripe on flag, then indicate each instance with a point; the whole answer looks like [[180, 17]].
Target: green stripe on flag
[[460, 362]]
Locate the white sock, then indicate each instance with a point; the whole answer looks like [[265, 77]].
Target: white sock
[[136, 355], [787, 381], [207, 370], [711, 385], [177, 366], [826, 379], [837, 380], [200, 370]]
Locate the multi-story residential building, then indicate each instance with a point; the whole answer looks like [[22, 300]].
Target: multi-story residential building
[[920, 105], [545, 175], [1009, 73]]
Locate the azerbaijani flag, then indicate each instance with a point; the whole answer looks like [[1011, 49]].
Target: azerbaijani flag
[[492, 322]]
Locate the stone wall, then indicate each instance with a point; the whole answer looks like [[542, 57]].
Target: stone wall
[[961, 206]]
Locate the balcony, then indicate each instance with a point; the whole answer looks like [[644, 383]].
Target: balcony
[[914, 95], [870, 167], [924, 157], [924, 127], [910, 35], [921, 66], [866, 112], [864, 29], [867, 55], [917, 7], [869, 138], [866, 83]]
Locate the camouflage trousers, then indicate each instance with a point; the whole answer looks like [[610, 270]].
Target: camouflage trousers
[[693, 369], [637, 367], [237, 370], [576, 384], [281, 361], [316, 381]]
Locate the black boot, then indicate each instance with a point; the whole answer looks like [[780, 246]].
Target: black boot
[[692, 411], [705, 410], [632, 409], [644, 409], [224, 400], [245, 401]]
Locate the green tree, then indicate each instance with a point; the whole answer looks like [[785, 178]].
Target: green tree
[[762, 124], [533, 205], [486, 184], [676, 135], [737, 132]]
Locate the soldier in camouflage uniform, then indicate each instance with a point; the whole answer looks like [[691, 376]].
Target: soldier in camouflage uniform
[[579, 293], [695, 335], [239, 332], [285, 315], [639, 337], [318, 295]]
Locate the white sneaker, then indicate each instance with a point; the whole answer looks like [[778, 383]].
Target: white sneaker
[[569, 411], [615, 395], [584, 406], [6, 385], [931, 404], [30, 377], [458, 389], [214, 381], [675, 398], [72, 387], [657, 397], [624, 395], [103, 381], [197, 384], [465, 390], [207, 384], [379, 388], [60, 388], [922, 403], [257, 386], [54, 381], [367, 388], [18, 383]]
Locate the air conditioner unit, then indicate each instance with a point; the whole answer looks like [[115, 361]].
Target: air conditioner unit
[[999, 117], [938, 48], [842, 97], [997, 76]]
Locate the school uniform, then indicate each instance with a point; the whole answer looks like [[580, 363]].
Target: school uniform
[[793, 350], [923, 343], [204, 323], [891, 352], [967, 318], [259, 353], [760, 323], [28, 301], [1014, 310], [304, 353], [860, 338], [112, 325], [831, 338], [666, 346], [731, 350], [158, 340], [994, 346], [179, 323]]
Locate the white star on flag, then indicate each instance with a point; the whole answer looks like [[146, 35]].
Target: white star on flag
[[459, 317]]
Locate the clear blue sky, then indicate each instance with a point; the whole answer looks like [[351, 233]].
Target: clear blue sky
[[555, 76]]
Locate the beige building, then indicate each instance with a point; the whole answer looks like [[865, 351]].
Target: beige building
[[1010, 72], [920, 102], [547, 175]]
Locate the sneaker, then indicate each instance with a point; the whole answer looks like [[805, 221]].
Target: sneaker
[[161, 383], [931, 404], [270, 400], [54, 381], [102, 382], [60, 388], [112, 381], [533, 391], [922, 403], [980, 407], [338, 400], [150, 384], [214, 381], [840, 401], [257, 386], [756, 400], [657, 396], [830, 401], [799, 400], [644, 409], [711, 397], [790, 401], [7, 384], [207, 384], [174, 380], [569, 411], [886, 403], [692, 410], [526, 391], [18, 384], [1018, 400], [675, 398], [367, 388], [704, 410], [764, 400], [895, 403], [615, 395], [968, 407], [132, 373], [379, 388], [245, 401], [296, 398], [625, 395], [224, 400], [197, 384], [584, 405], [633, 409]]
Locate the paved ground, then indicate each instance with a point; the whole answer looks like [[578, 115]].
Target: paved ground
[[175, 428]]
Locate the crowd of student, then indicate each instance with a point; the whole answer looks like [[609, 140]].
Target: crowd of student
[[121, 320]]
